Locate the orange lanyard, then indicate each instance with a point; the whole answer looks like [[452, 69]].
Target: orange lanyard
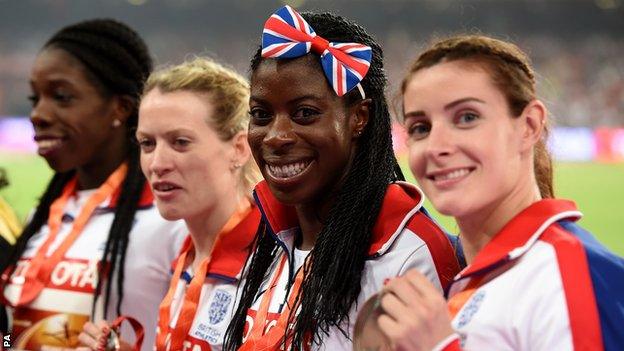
[[457, 301], [41, 266], [192, 294], [273, 339]]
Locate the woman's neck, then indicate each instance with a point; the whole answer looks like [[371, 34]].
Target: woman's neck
[[310, 225], [95, 173], [204, 227], [311, 217], [477, 229]]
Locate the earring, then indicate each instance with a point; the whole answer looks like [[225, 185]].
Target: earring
[[236, 166], [116, 123]]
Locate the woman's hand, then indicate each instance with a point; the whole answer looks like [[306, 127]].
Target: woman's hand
[[95, 335], [415, 315]]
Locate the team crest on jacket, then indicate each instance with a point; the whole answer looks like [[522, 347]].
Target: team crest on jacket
[[219, 306], [471, 308]]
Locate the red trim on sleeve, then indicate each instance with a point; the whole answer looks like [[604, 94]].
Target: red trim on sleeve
[[398, 202], [453, 346], [578, 289], [439, 247]]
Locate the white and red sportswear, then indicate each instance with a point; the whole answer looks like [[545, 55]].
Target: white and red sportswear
[[56, 316], [542, 283], [404, 237], [215, 306]]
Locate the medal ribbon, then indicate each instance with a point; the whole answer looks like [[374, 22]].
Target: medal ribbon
[[191, 297], [41, 265], [136, 326], [273, 338]]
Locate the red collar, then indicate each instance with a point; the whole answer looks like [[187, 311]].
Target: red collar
[[401, 201], [519, 234], [230, 252]]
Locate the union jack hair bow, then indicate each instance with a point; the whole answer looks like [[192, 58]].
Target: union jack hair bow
[[287, 35]]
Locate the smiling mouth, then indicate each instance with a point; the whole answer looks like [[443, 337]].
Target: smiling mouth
[[46, 146], [288, 170], [452, 175]]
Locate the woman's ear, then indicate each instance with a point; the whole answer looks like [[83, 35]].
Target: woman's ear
[[121, 109], [361, 113], [242, 152], [532, 121]]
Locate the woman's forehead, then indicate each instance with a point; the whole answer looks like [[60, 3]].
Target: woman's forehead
[[292, 76], [308, 64]]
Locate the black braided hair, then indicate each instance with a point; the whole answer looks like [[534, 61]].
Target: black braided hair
[[117, 62], [333, 281]]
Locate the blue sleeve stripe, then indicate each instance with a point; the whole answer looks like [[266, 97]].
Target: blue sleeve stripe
[[607, 275]]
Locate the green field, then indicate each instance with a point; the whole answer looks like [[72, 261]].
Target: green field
[[598, 190]]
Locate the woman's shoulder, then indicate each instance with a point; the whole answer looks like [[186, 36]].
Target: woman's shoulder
[[406, 237]]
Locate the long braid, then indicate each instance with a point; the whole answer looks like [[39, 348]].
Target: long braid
[[264, 250], [119, 59], [333, 281], [124, 217], [117, 62]]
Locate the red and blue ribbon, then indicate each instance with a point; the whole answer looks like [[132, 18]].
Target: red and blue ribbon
[[287, 35]]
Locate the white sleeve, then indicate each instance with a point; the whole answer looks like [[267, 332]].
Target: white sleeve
[[540, 314], [421, 259]]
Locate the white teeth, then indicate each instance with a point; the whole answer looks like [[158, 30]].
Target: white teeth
[[287, 171], [452, 175], [164, 187], [48, 143]]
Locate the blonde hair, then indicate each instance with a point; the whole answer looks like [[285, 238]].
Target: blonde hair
[[226, 90], [511, 71]]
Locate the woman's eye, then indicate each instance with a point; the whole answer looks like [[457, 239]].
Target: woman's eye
[[467, 117], [305, 114], [180, 142], [146, 145], [418, 130], [33, 99], [259, 116], [62, 97]]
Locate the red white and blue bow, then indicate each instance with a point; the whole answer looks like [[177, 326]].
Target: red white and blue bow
[[287, 35]]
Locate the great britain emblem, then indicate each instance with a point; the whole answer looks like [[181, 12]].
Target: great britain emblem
[[219, 306]]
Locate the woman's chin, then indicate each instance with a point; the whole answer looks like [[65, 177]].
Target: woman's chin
[[170, 214], [448, 207]]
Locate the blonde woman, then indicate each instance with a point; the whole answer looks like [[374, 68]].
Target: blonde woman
[[193, 137]]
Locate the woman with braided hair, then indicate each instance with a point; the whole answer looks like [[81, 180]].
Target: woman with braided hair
[[337, 218], [535, 280], [96, 246]]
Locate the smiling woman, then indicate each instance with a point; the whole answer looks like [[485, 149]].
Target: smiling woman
[[535, 280], [84, 118], [95, 223], [337, 218]]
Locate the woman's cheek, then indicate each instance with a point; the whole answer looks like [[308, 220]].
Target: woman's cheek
[[416, 161]]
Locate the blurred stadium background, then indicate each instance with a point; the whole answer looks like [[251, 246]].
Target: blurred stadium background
[[577, 47]]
